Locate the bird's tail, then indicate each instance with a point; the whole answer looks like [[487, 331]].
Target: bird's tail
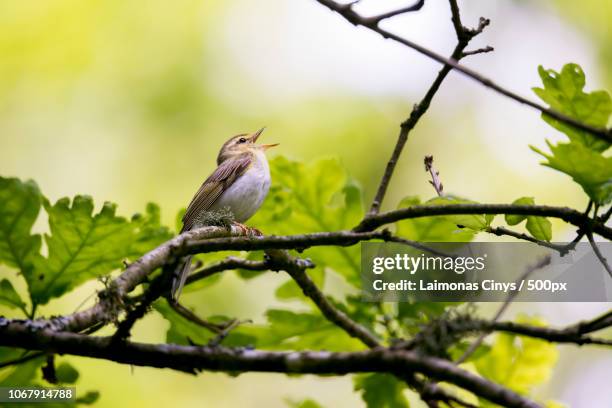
[[179, 280]]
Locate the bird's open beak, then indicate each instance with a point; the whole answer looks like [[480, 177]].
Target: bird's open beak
[[267, 146], [256, 135]]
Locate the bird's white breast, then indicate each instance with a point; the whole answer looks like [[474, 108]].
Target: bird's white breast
[[247, 193]]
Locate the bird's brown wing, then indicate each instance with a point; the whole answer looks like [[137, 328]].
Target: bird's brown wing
[[210, 191]]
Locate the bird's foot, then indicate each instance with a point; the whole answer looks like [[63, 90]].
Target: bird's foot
[[248, 231]]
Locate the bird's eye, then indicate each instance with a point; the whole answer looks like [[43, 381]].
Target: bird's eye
[[242, 140]]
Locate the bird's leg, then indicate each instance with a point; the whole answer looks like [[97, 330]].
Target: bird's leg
[[249, 231]]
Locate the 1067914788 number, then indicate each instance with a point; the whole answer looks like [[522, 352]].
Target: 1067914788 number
[[34, 394]]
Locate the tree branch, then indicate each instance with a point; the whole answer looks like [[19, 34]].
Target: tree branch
[[566, 214], [229, 263], [435, 179], [598, 253], [464, 36], [350, 15], [110, 304], [107, 309], [499, 231], [383, 16], [570, 334], [196, 358], [295, 269], [482, 50], [528, 271], [283, 260], [192, 317], [110, 300], [20, 360]]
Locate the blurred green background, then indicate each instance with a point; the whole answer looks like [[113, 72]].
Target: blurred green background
[[129, 101]]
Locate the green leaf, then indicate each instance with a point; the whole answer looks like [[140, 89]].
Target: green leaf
[[28, 375], [441, 228], [517, 219], [146, 231], [290, 290], [9, 296], [299, 331], [430, 229], [564, 93], [22, 375], [247, 273], [518, 362], [588, 168], [307, 403], [9, 353], [554, 404], [19, 207], [89, 398], [66, 373], [83, 245], [475, 222], [313, 197], [182, 330], [539, 227], [381, 390], [421, 311]]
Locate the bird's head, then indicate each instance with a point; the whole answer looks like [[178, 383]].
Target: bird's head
[[240, 144]]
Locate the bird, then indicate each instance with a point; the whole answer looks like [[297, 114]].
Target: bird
[[240, 183]]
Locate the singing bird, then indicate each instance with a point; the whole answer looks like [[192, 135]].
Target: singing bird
[[240, 183]]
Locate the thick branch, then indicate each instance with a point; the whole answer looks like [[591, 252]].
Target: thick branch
[[106, 309], [295, 269], [566, 214], [195, 358]]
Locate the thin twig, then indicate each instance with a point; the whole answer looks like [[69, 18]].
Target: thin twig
[[192, 317], [605, 217], [482, 50], [599, 323], [511, 295], [23, 359], [435, 179], [598, 253], [350, 15], [568, 335], [378, 18], [417, 112], [433, 393], [218, 339], [229, 263], [499, 231], [152, 293]]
